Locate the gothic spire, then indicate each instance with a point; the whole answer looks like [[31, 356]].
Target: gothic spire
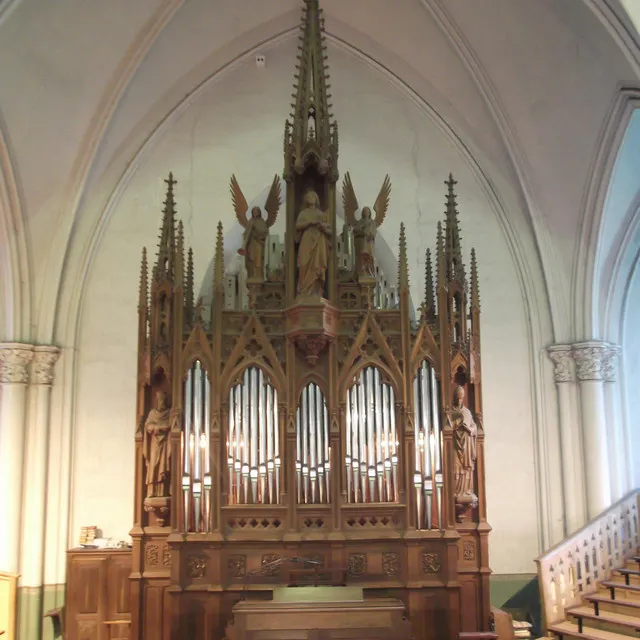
[[218, 262], [440, 258], [403, 265], [453, 249], [188, 293], [429, 300], [143, 298], [311, 134], [475, 287], [167, 239]]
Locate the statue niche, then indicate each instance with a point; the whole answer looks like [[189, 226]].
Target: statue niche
[[465, 435], [313, 235], [256, 228], [365, 229], [156, 451]]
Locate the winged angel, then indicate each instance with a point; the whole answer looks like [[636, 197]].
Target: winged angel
[[364, 230], [256, 228]]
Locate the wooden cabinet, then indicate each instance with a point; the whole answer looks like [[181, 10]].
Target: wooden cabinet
[[97, 602]]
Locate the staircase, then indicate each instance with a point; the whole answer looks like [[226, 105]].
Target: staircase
[[590, 583], [611, 613]]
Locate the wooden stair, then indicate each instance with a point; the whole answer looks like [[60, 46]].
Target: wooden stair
[[611, 613]]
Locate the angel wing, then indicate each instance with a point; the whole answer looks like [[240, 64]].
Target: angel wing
[[382, 201], [272, 205], [239, 202], [349, 201]]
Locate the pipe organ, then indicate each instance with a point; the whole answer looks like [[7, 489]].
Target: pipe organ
[[308, 413], [371, 440], [253, 445], [313, 448]]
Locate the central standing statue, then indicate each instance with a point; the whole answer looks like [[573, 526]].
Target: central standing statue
[[313, 235]]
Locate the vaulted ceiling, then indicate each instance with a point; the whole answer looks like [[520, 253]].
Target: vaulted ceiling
[[538, 94]]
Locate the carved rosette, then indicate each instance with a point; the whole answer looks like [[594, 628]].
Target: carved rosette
[[590, 360], [14, 363], [561, 356]]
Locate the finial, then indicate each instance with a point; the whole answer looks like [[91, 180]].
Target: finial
[[403, 266]]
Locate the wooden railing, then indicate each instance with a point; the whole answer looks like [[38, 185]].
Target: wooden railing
[[574, 567]]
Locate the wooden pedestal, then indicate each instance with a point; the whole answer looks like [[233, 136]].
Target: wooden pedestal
[[319, 613]]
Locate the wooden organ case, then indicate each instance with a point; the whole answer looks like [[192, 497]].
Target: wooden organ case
[[309, 414]]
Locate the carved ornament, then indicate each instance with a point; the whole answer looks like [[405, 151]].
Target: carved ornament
[[14, 363], [391, 563], [469, 550], [237, 565], [196, 566], [609, 365], [431, 562], [44, 360], [561, 356], [152, 555], [357, 564], [590, 360]]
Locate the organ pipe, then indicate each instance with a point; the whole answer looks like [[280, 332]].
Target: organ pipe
[[371, 446], [428, 450], [312, 447], [253, 463], [197, 483]]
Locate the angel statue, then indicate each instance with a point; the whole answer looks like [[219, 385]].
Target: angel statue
[[256, 228], [364, 230]]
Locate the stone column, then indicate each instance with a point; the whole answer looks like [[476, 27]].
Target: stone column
[[570, 438], [14, 377], [590, 358], [35, 485], [618, 454]]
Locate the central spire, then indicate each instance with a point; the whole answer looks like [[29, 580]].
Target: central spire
[[310, 136]]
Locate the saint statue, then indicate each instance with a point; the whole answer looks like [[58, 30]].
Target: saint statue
[[365, 229], [256, 228], [465, 433], [157, 449], [313, 235]]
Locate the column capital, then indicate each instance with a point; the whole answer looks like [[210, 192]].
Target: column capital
[[14, 362], [561, 356], [610, 368], [590, 359], [44, 360]]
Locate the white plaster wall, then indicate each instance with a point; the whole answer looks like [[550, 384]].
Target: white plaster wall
[[236, 127], [631, 365]]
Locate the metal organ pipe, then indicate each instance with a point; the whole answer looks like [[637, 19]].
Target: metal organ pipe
[[197, 483], [428, 456], [371, 460], [252, 442], [312, 447]]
